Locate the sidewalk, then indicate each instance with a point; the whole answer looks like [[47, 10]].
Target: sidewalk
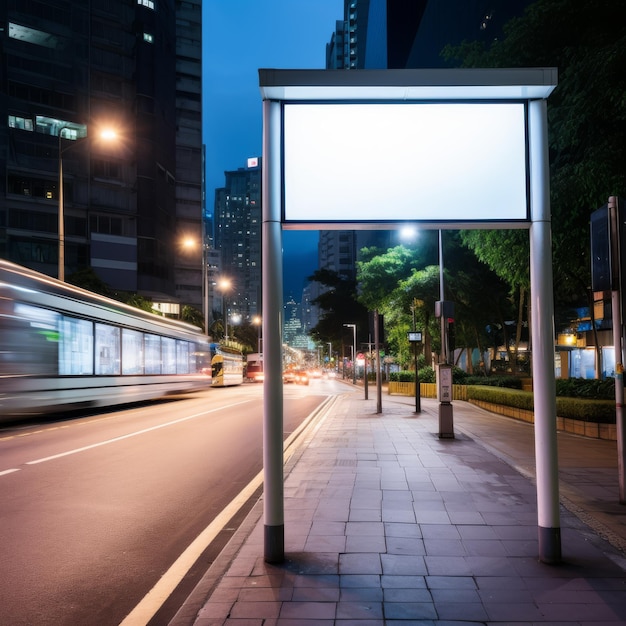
[[385, 523]]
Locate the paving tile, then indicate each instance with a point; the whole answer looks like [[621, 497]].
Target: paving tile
[[308, 610], [395, 526], [360, 563], [366, 543], [409, 610], [359, 610]]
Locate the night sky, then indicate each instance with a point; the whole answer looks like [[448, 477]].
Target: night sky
[[239, 37]]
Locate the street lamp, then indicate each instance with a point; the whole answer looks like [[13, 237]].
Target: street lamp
[[353, 327], [225, 285], [257, 321], [107, 135], [191, 243]]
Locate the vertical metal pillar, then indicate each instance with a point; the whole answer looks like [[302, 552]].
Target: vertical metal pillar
[[61, 270], [272, 337], [443, 357], [379, 380], [542, 325], [618, 345]]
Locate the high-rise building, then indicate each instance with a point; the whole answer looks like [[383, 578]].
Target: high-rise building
[[237, 224], [69, 69], [400, 34]]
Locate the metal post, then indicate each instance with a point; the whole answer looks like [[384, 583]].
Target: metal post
[[542, 324], [353, 354], [205, 281], [379, 381], [353, 327], [225, 315], [273, 501], [444, 339], [61, 270], [618, 346]]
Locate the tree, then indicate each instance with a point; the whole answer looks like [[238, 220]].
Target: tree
[[86, 278], [587, 119], [339, 305]]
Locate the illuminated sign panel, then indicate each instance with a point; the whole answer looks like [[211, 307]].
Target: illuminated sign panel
[[430, 161]]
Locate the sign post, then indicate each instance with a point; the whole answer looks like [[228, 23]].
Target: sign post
[[415, 337]]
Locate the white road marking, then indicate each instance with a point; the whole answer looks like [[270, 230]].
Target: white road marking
[[154, 599], [9, 471], [135, 434]]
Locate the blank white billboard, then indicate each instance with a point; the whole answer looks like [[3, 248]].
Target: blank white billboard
[[385, 162]]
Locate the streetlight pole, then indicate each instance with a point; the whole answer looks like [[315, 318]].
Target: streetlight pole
[[353, 327], [105, 134], [61, 272], [257, 322], [225, 285], [205, 283]]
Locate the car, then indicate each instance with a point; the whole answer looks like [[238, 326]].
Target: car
[[301, 378], [289, 376]]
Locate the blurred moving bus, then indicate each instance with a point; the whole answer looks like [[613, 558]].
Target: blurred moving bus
[[226, 366], [62, 347]]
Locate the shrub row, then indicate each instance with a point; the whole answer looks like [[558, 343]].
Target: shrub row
[[459, 377], [583, 409], [565, 387]]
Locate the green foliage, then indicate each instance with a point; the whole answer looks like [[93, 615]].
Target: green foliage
[[86, 278], [133, 299], [584, 388], [587, 127], [339, 306], [427, 375], [379, 276], [402, 376], [597, 411], [497, 395], [508, 382]]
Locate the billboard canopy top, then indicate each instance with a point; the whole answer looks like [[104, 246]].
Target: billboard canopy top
[[408, 85]]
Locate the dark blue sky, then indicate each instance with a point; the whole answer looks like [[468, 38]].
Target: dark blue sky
[[239, 37]]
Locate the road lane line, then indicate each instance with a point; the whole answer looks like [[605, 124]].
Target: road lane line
[[156, 597], [129, 435], [9, 471]]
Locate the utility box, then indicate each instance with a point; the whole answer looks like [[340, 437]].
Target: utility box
[[444, 383], [444, 395]]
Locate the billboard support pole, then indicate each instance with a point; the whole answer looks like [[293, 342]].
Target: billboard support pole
[[542, 323], [273, 501]]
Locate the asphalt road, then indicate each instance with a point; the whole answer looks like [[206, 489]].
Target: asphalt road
[[94, 510]]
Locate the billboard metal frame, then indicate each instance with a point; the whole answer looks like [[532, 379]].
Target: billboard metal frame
[[530, 85]]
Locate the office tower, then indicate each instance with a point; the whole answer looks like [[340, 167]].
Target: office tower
[[237, 225], [70, 69], [401, 34]]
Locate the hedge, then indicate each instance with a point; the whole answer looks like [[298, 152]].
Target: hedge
[[583, 409]]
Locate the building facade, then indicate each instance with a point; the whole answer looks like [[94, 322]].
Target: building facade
[[70, 69], [401, 34], [237, 228]]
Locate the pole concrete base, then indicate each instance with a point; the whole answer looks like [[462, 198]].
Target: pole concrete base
[[275, 544], [550, 545], [446, 421]]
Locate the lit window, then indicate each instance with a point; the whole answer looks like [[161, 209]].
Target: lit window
[[146, 3], [32, 35], [23, 123], [148, 38]]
